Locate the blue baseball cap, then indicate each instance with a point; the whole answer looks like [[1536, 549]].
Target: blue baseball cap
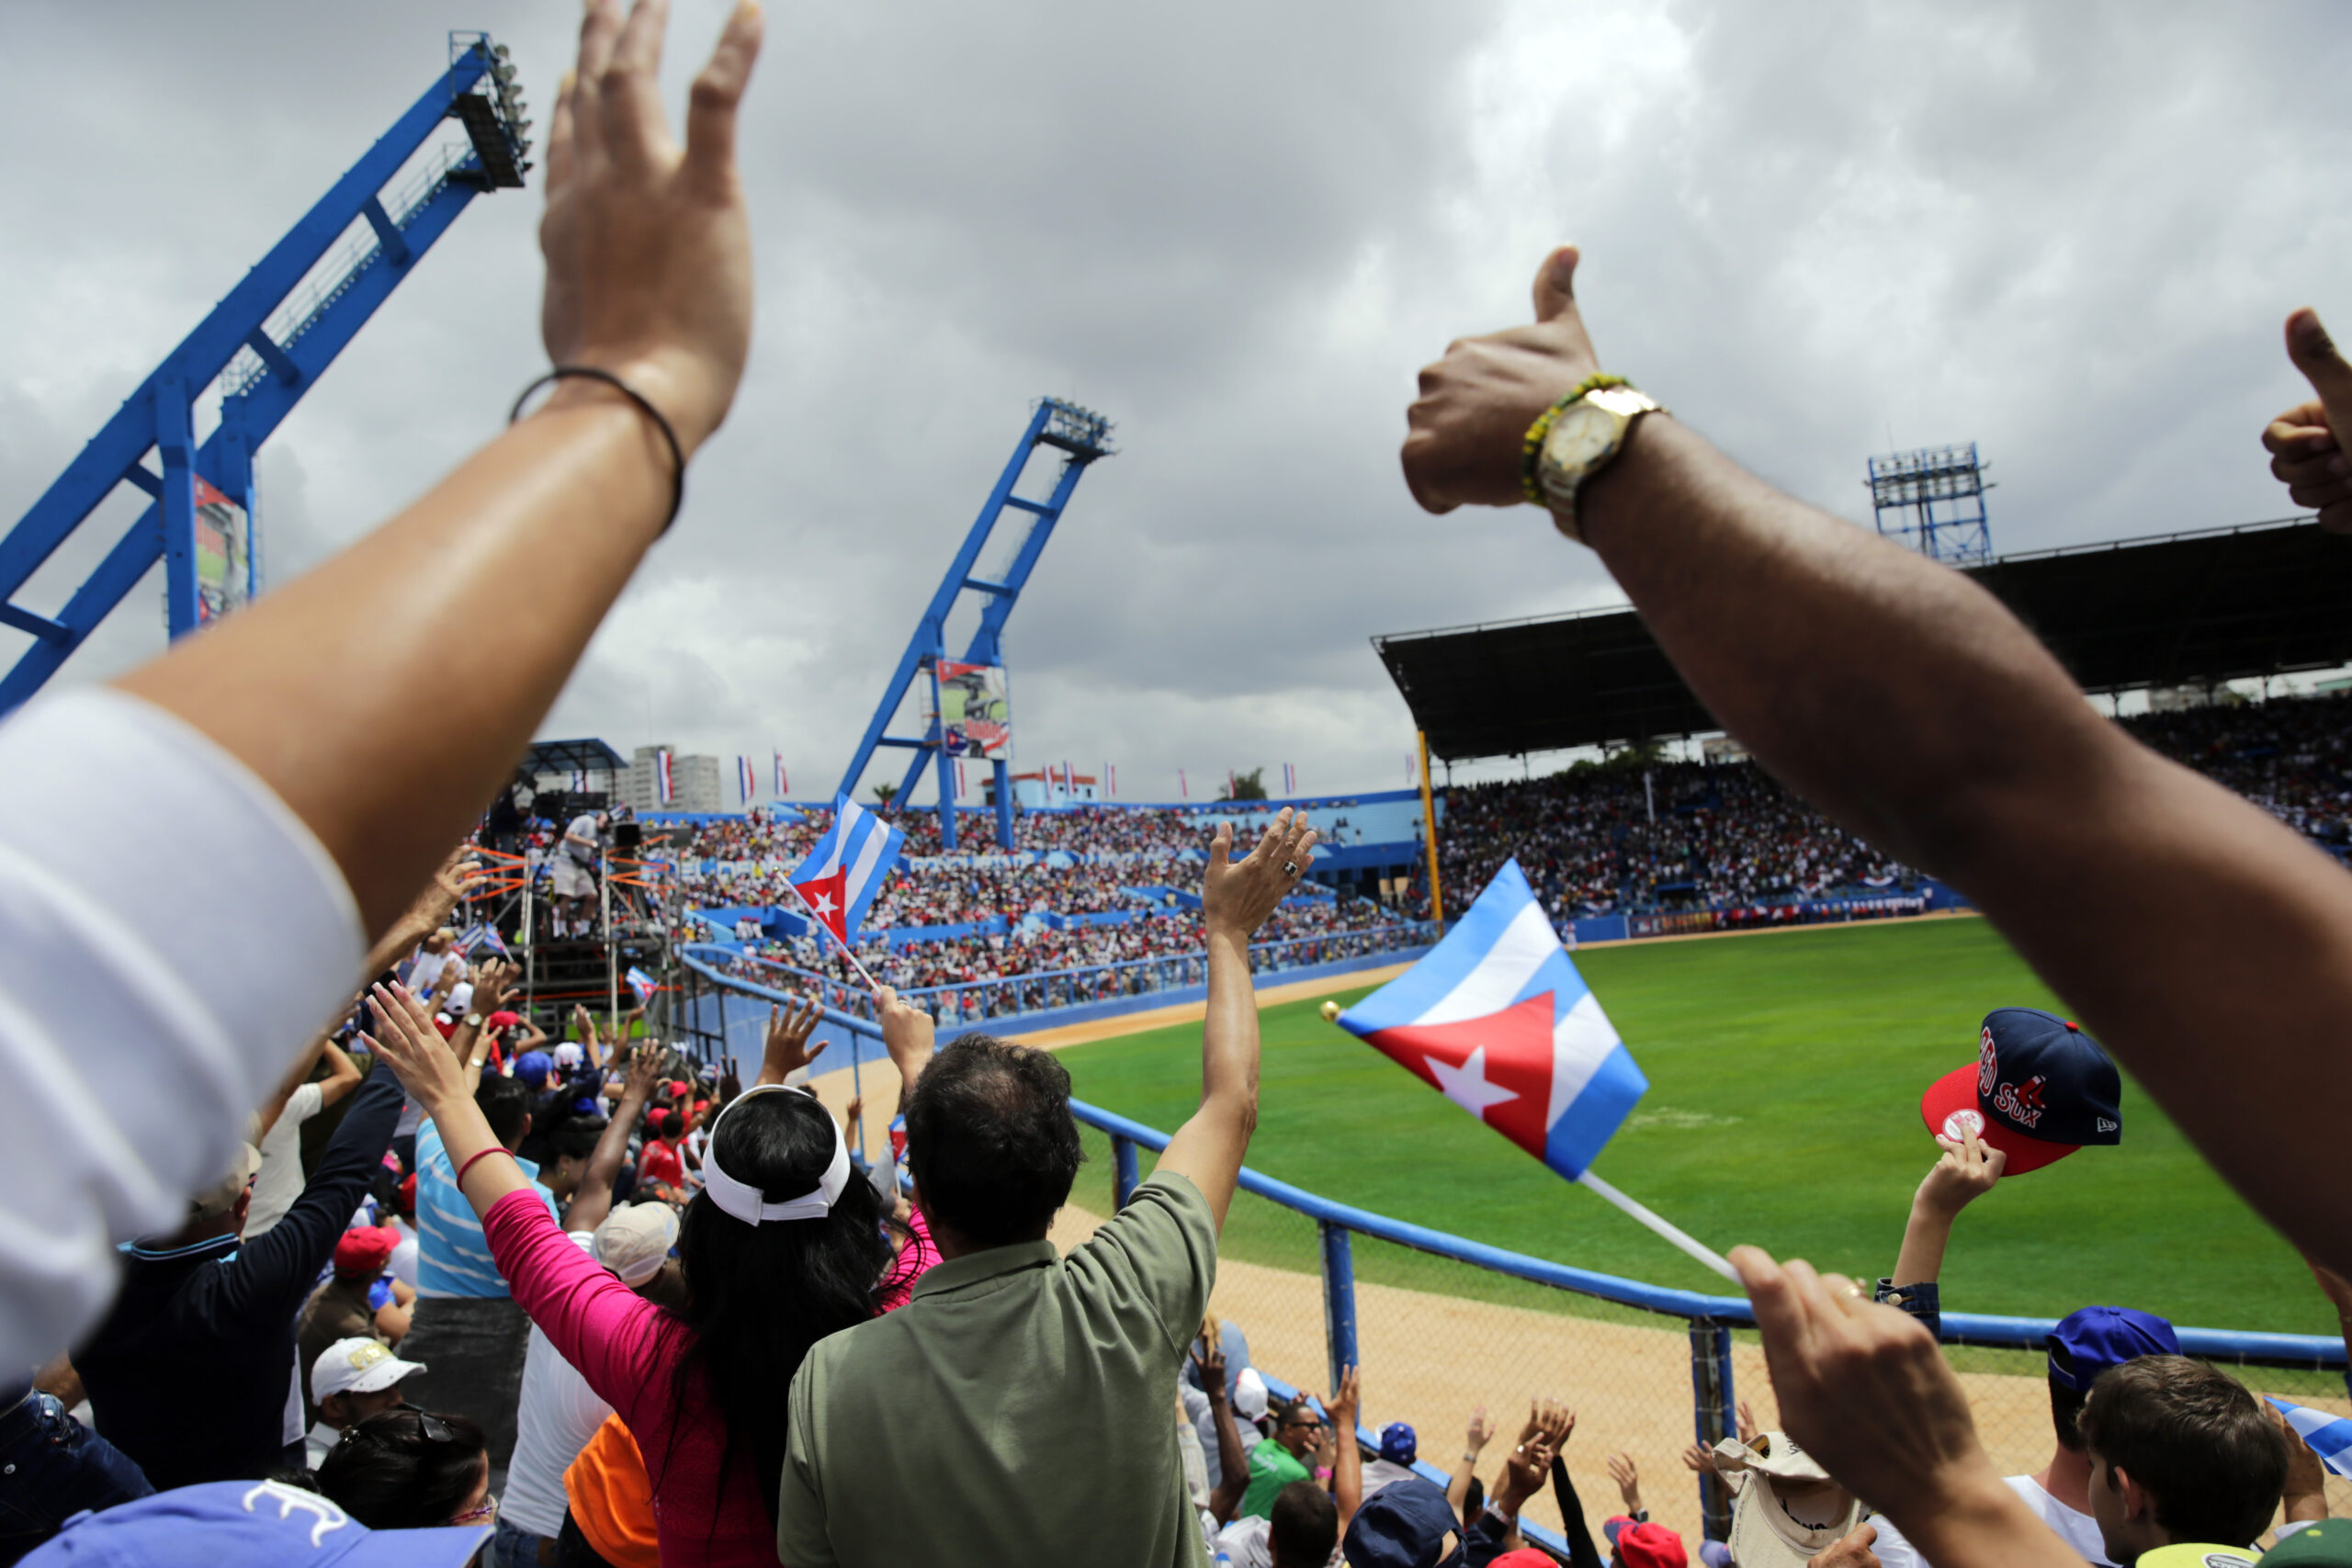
[[2041, 1089], [254, 1524], [532, 1069], [2086, 1343], [1397, 1444], [1404, 1525]]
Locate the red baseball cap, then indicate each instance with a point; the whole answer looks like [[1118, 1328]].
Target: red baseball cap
[[1644, 1545], [2039, 1090], [364, 1250]]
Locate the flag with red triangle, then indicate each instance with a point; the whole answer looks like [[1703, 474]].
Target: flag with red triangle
[[1497, 1020]]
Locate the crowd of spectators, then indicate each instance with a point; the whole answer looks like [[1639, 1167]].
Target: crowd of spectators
[[1603, 839]]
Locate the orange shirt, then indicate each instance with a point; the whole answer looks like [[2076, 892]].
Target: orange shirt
[[611, 1500]]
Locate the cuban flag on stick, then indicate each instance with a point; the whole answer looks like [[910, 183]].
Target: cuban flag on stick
[[661, 767], [2327, 1435], [838, 881], [779, 776], [743, 778], [642, 984], [1497, 1020], [478, 935]]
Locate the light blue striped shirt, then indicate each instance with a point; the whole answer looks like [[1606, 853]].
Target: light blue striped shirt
[[452, 1259]]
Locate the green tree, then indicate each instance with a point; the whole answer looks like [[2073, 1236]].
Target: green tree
[[886, 793], [1250, 785]]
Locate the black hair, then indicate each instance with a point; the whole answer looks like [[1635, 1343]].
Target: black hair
[[505, 1105], [758, 1296], [1474, 1502], [1303, 1525], [394, 1472], [576, 1137], [2065, 1411], [672, 1124], [2212, 1460], [990, 1140]]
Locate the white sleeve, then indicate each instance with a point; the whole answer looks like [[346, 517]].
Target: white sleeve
[[129, 843], [1892, 1548]]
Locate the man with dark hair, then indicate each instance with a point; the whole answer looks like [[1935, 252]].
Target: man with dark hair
[[2085, 1345], [2180, 1453], [1303, 1527], [1285, 1459], [1032, 1392], [466, 1327]]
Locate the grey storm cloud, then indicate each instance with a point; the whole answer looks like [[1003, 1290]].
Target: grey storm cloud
[[2067, 233]]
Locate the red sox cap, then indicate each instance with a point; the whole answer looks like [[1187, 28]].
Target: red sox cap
[[2041, 1089]]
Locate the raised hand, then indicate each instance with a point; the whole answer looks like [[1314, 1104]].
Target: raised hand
[[788, 1043], [1966, 1172], [1237, 896], [649, 253], [1462, 447], [1699, 1459], [1209, 1362], [406, 1038], [2306, 442], [496, 984], [1481, 1432], [1342, 1406], [1851, 1551], [1748, 1429], [646, 1071], [907, 1034], [1628, 1478]]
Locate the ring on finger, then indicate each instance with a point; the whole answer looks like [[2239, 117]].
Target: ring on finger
[[1289, 868]]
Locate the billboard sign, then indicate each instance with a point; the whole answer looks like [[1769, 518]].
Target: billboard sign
[[223, 545], [977, 716]]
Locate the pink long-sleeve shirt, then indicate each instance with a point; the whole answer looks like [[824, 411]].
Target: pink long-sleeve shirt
[[628, 1349]]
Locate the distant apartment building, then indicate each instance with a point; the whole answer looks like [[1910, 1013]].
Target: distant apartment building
[[693, 782]]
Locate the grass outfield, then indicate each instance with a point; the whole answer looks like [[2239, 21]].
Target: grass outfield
[[1785, 1073]]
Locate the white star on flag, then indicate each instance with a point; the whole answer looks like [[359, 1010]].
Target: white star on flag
[[824, 903], [1466, 1085]]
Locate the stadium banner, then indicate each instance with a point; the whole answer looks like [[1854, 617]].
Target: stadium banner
[[976, 719], [223, 553]]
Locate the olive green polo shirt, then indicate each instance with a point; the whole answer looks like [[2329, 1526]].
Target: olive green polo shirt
[[1019, 1409]]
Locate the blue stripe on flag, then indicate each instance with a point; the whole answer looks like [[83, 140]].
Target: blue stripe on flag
[[1593, 1117], [2327, 1435], [1407, 997]]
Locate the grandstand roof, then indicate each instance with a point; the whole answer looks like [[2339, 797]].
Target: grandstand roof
[[2223, 603], [572, 756]]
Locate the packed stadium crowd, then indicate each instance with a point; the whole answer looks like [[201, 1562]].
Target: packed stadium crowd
[[538, 1301]]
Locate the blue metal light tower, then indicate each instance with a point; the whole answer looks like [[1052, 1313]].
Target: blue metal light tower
[[267, 344], [1082, 436], [1937, 496]]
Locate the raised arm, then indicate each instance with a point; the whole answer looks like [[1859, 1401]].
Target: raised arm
[[1236, 898], [787, 1042], [1966, 1171], [343, 1075], [1347, 1454], [1466, 1469], [1232, 1459], [593, 1200], [2177, 918], [908, 1035], [650, 277]]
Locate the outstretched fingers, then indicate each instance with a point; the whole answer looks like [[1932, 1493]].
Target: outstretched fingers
[[637, 137], [718, 92]]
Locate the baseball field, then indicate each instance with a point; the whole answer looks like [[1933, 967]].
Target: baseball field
[[1785, 1071]]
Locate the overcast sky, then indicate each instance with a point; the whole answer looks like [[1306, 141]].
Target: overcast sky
[[2067, 233]]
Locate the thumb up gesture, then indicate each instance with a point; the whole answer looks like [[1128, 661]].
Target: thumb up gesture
[[2305, 451]]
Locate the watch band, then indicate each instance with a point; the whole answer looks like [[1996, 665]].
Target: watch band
[[1531, 447], [1560, 484]]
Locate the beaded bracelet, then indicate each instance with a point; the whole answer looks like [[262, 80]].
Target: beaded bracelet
[[1531, 449], [592, 373], [480, 1154]]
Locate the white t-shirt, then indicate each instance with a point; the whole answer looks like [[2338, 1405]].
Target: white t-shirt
[[582, 826], [1248, 1543], [110, 916], [2077, 1530], [279, 1180], [556, 1416]]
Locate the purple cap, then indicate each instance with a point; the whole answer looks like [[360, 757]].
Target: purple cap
[[1397, 1443], [254, 1524], [2086, 1343]]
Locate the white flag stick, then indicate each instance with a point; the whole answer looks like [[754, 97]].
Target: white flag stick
[[1695, 1249], [870, 981]]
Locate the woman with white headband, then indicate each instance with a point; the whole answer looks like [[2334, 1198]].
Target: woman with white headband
[[779, 1248]]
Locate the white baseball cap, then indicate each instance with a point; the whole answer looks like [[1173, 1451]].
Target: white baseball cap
[[357, 1365], [1249, 1394], [634, 1242]]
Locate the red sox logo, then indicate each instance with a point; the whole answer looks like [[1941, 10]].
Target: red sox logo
[[1987, 1067], [2021, 1103]]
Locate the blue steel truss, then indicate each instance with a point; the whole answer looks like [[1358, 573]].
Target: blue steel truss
[[268, 341], [1081, 435]]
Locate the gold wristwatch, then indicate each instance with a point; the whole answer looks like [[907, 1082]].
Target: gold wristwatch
[[1575, 439]]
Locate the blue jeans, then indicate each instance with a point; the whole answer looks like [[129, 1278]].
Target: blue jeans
[[513, 1547], [51, 1468]]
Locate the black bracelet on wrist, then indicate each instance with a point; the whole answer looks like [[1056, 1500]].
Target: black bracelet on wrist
[[592, 373]]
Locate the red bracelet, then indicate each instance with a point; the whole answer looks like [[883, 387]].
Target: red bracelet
[[483, 1154]]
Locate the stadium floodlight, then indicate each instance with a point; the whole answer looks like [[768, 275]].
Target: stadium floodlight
[[1932, 498]]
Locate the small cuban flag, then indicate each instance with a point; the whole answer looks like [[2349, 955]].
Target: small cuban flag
[[2328, 1435], [643, 984], [483, 936], [1497, 1020], [842, 873], [743, 778]]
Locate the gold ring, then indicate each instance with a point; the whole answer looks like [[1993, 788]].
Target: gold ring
[[1855, 1292]]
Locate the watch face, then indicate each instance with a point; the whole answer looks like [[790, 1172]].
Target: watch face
[[1582, 437]]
